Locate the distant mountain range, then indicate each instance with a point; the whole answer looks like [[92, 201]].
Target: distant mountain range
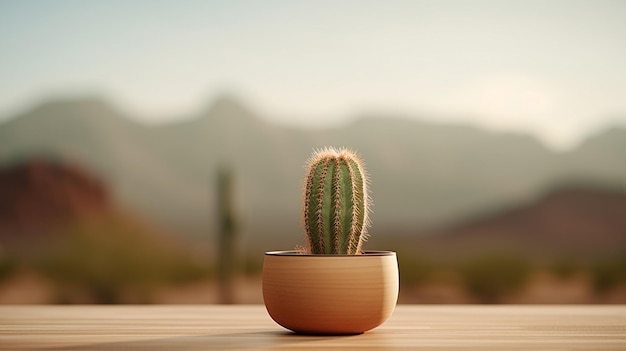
[[568, 223], [424, 175]]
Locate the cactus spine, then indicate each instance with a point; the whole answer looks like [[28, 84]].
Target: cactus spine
[[336, 203]]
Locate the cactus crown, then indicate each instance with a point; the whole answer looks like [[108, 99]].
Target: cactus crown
[[336, 203]]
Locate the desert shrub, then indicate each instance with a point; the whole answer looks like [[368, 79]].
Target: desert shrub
[[564, 268], [609, 273], [414, 269], [7, 267], [111, 257], [491, 277], [252, 266]]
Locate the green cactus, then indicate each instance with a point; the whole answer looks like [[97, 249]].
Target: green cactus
[[336, 203], [227, 239]]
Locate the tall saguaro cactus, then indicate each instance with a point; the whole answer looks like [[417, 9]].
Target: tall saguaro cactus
[[336, 202], [227, 260]]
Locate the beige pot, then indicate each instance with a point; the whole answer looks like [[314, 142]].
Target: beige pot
[[330, 294]]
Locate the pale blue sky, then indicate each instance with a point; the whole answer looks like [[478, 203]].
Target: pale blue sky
[[555, 69]]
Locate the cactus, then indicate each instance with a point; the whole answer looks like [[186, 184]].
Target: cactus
[[336, 203], [227, 239]]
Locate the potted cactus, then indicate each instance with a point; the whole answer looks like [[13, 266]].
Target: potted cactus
[[332, 286]]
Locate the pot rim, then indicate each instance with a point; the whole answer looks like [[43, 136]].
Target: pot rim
[[294, 253]]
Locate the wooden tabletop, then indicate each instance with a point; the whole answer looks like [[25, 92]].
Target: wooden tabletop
[[240, 327]]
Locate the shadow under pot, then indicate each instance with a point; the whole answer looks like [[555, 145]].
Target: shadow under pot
[[330, 294]]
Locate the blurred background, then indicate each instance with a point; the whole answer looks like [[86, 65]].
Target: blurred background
[[152, 151]]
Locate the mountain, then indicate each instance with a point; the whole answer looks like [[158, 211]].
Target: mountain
[[93, 135], [40, 194], [424, 175], [431, 173], [59, 221], [570, 222], [601, 156]]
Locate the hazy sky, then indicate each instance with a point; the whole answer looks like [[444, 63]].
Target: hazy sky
[[556, 69]]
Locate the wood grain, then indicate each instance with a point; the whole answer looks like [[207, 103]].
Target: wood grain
[[240, 327]]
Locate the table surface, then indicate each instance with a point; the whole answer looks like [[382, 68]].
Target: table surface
[[240, 327]]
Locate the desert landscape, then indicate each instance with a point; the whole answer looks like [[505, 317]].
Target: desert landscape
[[97, 208]]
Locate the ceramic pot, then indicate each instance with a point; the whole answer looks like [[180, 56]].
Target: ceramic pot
[[330, 294]]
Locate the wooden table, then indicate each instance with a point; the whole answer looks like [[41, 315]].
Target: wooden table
[[239, 327]]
